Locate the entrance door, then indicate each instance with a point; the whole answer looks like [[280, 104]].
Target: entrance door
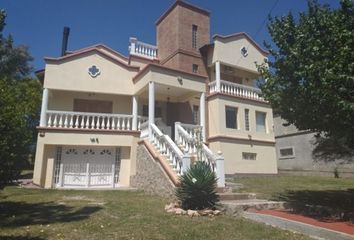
[[88, 166]]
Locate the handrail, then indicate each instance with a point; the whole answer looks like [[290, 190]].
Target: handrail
[[235, 89], [89, 113], [169, 149], [241, 86]]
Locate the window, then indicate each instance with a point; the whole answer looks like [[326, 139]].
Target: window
[[260, 122], [158, 111], [287, 152], [194, 36], [195, 68], [196, 114], [249, 156], [231, 117], [247, 119]]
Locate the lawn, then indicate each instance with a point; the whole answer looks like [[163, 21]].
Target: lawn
[[322, 197], [68, 214]]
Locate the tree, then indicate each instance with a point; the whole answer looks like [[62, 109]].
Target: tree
[[310, 79], [19, 107]]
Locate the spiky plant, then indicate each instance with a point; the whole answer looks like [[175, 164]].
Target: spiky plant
[[197, 188]]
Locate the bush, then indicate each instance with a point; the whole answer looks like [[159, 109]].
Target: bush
[[197, 188]]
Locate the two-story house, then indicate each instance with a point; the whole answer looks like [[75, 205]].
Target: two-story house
[[104, 114]]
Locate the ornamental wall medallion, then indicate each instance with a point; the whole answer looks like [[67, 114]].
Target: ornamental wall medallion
[[94, 71]]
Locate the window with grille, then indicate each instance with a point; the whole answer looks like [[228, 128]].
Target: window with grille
[[249, 156], [286, 152], [194, 36], [196, 114], [247, 119]]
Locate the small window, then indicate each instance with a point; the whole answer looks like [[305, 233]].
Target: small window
[[231, 117], [287, 152], [195, 114], [249, 156], [194, 36], [260, 122], [195, 68], [247, 119]]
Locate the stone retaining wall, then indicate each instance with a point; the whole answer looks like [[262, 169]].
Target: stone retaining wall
[[150, 177]]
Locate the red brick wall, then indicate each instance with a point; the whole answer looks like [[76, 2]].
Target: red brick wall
[[174, 33], [167, 34]]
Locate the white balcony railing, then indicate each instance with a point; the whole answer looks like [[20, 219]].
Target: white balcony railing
[[164, 144], [186, 137], [84, 120], [142, 49], [237, 90]]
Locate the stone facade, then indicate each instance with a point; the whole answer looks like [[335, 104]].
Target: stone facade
[[150, 177]]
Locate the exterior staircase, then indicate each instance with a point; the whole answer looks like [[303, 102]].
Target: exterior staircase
[[178, 154], [235, 203]]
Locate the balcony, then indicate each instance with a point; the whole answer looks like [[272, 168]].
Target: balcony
[[92, 121], [236, 90], [142, 49]]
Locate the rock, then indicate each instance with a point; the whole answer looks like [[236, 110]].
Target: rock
[[171, 205], [217, 212], [171, 210], [192, 213], [208, 211], [180, 211]]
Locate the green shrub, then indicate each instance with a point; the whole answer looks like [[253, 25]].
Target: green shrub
[[197, 188]]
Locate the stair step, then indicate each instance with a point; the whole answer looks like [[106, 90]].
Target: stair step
[[235, 207], [227, 196]]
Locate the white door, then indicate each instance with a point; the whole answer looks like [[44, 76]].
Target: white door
[[88, 166]]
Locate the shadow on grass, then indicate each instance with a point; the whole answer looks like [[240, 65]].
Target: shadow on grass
[[329, 205], [20, 238], [16, 214]]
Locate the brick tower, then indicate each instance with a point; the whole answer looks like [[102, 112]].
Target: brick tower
[[181, 31]]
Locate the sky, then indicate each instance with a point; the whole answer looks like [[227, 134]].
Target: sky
[[39, 23]]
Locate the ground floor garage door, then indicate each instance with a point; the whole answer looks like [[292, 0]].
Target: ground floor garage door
[[87, 166]]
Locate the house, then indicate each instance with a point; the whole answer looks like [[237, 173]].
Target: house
[[109, 121], [297, 153]]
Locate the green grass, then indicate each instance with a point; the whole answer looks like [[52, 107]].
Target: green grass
[[68, 214], [272, 187]]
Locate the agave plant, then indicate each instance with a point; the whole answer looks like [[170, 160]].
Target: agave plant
[[197, 188]]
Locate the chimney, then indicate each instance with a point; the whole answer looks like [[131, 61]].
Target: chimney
[[64, 45]]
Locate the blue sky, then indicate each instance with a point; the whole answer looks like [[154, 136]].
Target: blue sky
[[39, 23]]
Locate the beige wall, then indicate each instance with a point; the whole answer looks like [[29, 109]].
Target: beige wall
[[170, 78], [265, 162], [45, 153], [228, 51], [217, 122], [72, 74], [64, 100]]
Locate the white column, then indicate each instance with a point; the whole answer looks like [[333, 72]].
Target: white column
[[132, 45], [186, 162], [44, 108], [217, 75], [176, 132], [220, 169], [202, 114], [151, 106], [135, 112]]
